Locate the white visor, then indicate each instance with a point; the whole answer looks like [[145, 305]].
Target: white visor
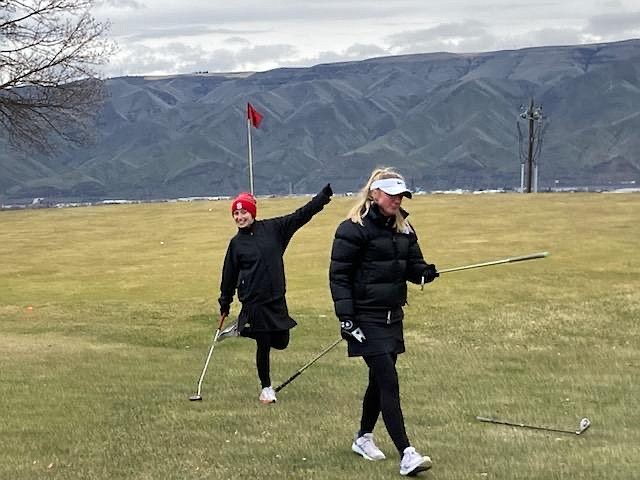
[[392, 186]]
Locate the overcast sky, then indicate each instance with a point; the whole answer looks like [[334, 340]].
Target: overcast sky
[[184, 36]]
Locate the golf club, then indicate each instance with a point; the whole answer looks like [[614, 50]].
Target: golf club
[[305, 366], [477, 265], [584, 424], [522, 258], [198, 395]]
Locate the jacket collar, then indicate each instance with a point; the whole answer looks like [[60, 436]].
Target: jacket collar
[[248, 230]]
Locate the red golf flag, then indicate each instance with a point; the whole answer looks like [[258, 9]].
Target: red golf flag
[[254, 116]]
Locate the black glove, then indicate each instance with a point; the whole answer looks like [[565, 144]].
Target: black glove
[[224, 308], [327, 190], [430, 273], [350, 331]]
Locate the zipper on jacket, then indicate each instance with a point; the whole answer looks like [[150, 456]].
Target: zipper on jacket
[[388, 317]]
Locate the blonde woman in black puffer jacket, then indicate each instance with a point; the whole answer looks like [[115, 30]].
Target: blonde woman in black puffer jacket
[[375, 252]]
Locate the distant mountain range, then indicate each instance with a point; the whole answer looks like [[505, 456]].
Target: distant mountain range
[[444, 120]]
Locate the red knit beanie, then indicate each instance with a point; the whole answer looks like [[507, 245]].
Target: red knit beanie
[[245, 201]]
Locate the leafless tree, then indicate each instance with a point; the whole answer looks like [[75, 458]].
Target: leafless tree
[[49, 52]]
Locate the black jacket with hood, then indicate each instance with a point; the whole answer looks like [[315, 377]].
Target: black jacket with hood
[[370, 265], [253, 264]]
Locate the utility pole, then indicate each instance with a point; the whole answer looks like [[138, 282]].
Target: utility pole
[[530, 150], [533, 116]]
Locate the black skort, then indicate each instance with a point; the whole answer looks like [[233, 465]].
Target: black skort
[[380, 338], [265, 317]]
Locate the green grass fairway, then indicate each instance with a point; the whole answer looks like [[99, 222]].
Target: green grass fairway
[[107, 314]]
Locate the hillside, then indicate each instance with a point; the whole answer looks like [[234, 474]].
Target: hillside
[[445, 120]]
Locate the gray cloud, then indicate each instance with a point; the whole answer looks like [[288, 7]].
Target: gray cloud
[[360, 51], [439, 33], [121, 4], [550, 36], [240, 41], [152, 33], [252, 35], [160, 31], [262, 53], [140, 60], [453, 37], [174, 57], [178, 57], [622, 23], [236, 15]]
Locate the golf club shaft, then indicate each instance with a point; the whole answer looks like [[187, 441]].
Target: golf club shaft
[[304, 367], [523, 425], [522, 258], [213, 343]]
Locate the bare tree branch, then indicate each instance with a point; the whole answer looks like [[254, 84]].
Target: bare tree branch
[[49, 87]]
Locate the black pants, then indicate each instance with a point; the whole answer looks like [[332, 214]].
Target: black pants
[[264, 342], [383, 395]]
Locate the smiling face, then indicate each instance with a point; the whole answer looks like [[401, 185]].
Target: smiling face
[[389, 204], [242, 218]]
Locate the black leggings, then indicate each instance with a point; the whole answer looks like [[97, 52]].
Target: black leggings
[[383, 395], [264, 342]]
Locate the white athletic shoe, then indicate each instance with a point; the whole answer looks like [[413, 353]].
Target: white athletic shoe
[[229, 332], [413, 463], [267, 395], [366, 447]]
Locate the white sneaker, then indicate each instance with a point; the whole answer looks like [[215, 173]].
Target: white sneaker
[[229, 332], [366, 447], [413, 463], [267, 395]]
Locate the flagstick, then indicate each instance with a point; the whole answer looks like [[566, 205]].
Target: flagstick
[[250, 155]]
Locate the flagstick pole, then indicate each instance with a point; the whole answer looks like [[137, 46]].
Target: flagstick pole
[[250, 155]]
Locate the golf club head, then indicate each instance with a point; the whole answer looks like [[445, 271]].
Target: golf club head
[[584, 424], [195, 398]]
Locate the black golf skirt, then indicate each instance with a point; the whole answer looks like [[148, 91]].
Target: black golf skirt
[[380, 338], [265, 317]]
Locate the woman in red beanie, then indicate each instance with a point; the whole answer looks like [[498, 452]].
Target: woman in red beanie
[[254, 267]]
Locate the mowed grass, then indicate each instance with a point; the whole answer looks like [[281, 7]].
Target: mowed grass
[[107, 314]]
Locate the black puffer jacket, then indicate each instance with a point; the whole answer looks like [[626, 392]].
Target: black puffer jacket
[[253, 263], [370, 266]]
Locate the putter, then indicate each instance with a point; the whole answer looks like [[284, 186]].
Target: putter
[[305, 366], [584, 424], [198, 396]]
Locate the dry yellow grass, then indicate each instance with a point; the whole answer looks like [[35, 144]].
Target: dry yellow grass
[[95, 376]]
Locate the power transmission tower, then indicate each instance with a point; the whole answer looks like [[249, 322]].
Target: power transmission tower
[[529, 159]]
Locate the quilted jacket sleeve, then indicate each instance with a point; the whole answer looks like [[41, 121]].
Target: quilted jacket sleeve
[[345, 255]]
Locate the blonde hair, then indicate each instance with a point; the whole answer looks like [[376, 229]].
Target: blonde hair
[[365, 199]]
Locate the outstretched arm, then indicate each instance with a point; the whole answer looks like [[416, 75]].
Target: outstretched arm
[[289, 224]]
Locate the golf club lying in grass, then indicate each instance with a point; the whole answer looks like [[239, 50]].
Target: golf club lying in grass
[[306, 365], [198, 395], [584, 424]]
